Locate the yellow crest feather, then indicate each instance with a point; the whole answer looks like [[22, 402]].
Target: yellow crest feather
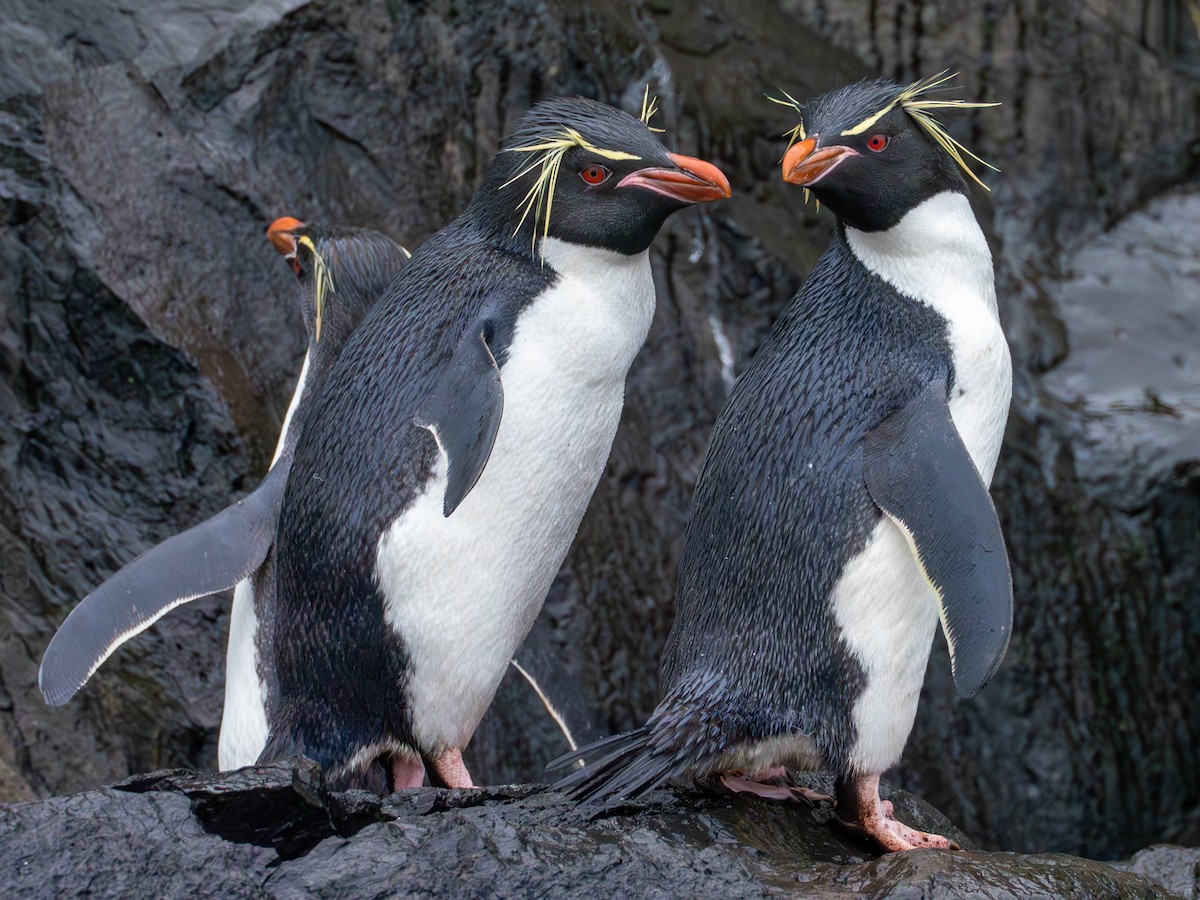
[[921, 111], [323, 281], [540, 197], [649, 108]]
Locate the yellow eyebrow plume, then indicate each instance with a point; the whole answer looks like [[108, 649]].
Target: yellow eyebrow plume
[[922, 112], [548, 160], [324, 281]]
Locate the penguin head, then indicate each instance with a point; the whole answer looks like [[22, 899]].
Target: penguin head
[[872, 151], [584, 172], [340, 271]]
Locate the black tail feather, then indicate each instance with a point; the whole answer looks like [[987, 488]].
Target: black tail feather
[[622, 766]]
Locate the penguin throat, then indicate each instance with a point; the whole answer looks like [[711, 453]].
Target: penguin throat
[[936, 243]]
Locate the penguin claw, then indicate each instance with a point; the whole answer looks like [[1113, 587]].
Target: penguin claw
[[772, 784], [893, 835], [811, 797], [860, 810]]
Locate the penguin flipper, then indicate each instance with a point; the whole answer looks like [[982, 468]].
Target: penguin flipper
[[918, 471], [210, 557], [463, 413]]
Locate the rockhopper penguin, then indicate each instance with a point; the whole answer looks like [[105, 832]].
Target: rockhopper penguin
[[842, 508], [458, 440], [340, 272]]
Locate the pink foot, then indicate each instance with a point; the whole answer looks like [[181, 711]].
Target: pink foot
[[407, 771], [773, 785], [448, 768], [860, 810]]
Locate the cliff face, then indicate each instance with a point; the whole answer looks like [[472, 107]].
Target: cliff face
[[148, 339]]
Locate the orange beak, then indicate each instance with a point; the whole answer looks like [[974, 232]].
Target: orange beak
[[693, 181], [279, 233], [805, 165]]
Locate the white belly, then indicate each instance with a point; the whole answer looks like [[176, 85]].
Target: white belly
[[886, 610], [887, 614], [462, 592], [244, 720]]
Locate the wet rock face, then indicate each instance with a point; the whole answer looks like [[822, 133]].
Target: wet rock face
[[276, 831], [148, 340]]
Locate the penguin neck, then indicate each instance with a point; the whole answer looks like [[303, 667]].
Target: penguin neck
[[936, 254], [584, 260]]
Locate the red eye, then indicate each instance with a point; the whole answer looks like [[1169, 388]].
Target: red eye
[[877, 142], [595, 174]]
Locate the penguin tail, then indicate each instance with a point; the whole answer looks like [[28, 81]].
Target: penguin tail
[[622, 766], [692, 725], [370, 775]]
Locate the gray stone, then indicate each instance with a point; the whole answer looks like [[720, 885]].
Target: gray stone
[[276, 832]]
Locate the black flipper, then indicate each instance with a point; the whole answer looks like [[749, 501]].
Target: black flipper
[[919, 473], [213, 556], [463, 411]]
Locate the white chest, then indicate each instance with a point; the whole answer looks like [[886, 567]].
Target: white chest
[[937, 255], [463, 591]]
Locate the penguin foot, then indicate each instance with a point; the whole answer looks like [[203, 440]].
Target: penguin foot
[[772, 784], [859, 810], [449, 769], [407, 771]]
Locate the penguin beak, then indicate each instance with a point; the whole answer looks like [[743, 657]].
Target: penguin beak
[[279, 233], [805, 165], [691, 181]]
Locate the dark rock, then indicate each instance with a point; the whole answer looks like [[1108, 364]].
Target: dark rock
[[280, 834], [1175, 868], [147, 339]]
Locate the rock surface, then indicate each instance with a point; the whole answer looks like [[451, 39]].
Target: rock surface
[[147, 339], [276, 832]]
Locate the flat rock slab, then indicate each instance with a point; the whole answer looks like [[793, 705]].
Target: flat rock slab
[[276, 832]]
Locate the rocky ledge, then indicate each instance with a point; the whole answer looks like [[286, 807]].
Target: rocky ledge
[[276, 831]]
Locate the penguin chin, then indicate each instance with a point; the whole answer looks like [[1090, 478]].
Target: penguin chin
[[630, 237]]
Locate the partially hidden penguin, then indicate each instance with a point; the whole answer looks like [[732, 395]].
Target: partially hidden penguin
[[458, 440], [340, 272], [843, 508]]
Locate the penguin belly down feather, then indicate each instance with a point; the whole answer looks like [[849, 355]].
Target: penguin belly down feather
[[458, 441], [340, 271], [842, 509]]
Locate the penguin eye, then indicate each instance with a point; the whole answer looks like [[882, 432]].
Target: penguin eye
[[877, 142], [595, 174]]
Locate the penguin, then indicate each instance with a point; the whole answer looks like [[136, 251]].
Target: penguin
[[340, 272], [842, 508], [458, 440]]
